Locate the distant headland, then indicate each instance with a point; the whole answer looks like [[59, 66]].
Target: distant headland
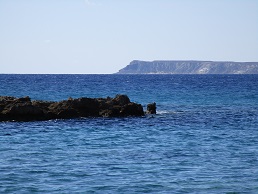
[[190, 67]]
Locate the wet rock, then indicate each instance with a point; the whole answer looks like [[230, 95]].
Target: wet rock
[[132, 109], [23, 99], [151, 108], [86, 107], [23, 109], [22, 112], [67, 114], [4, 99], [121, 100]]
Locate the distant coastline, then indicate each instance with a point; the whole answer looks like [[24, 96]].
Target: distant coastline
[[189, 67]]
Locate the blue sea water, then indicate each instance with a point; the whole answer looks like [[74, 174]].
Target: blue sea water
[[204, 138]]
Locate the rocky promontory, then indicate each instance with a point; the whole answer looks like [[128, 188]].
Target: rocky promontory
[[25, 109], [190, 67]]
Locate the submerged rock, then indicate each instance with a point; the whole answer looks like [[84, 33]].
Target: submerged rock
[[23, 109]]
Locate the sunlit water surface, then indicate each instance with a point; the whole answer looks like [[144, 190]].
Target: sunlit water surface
[[204, 138]]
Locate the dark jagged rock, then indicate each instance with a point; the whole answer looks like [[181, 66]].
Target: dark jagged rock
[[151, 108], [121, 100], [24, 109]]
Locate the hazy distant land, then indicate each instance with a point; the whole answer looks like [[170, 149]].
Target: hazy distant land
[[190, 67]]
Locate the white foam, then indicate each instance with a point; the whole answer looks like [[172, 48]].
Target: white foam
[[162, 112]]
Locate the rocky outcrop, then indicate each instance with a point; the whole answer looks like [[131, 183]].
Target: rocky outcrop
[[190, 67], [24, 109], [151, 108]]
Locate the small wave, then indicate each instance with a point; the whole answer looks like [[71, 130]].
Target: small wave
[[161, 112]]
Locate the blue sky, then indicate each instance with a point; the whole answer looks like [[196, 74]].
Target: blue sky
[[103, 36]]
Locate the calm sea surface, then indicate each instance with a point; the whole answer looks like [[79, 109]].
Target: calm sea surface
[[204, 138]]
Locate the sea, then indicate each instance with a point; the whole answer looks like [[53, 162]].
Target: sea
[[203, 139]]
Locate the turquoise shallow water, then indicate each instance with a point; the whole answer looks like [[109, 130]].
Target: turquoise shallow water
[[204, 138]]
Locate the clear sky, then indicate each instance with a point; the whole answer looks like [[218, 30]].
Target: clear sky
[[103, 36]]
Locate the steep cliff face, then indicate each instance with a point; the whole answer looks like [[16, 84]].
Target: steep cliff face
[[190, 67]]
